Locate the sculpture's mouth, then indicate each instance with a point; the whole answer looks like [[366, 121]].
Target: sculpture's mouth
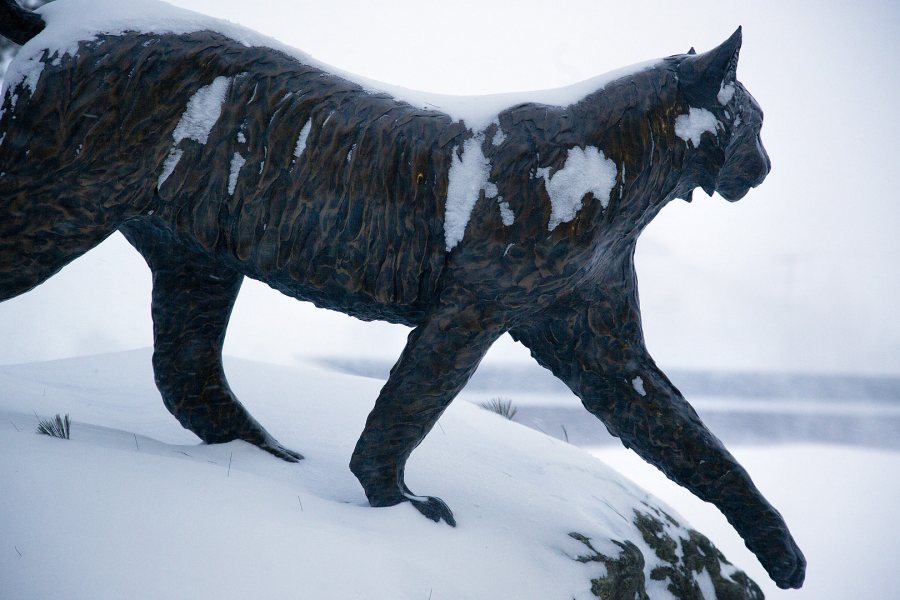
[[732, 191], [744, 169]]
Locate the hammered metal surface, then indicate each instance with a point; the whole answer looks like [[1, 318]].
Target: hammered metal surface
[[356, 223]]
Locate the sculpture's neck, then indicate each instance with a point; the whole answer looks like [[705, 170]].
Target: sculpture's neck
[[633, 124]]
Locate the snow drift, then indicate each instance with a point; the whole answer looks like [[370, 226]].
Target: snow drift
[[131, 506]]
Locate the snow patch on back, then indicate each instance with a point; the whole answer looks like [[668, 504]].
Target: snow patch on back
[[71, 22], [200, 115], [169, 166], [692, 126], [499, 135], [203, 110], [469, 175], [301, 139], [33, 75], [25, 71], [237, 161], [587, 170], [478, 112], [638, 384], [506, 213]]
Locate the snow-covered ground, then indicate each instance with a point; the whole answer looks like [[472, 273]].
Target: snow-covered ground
[[132, 507], [823, 449]]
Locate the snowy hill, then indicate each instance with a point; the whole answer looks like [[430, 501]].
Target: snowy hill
[[132, 506]]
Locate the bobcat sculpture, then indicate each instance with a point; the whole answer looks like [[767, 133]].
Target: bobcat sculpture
[[220, 159]]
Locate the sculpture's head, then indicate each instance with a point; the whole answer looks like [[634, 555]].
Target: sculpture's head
[[732, 160]]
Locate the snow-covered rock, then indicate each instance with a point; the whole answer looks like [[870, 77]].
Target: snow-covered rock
[[133, 507]]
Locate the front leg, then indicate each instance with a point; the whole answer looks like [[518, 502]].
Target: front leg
[[593, 342], [440, 356]]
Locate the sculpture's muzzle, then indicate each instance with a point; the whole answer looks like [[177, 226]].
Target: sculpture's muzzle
[[744, 168]]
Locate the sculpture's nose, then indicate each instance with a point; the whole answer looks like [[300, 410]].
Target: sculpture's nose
[[765, 156], [742, 171], [761, 166]]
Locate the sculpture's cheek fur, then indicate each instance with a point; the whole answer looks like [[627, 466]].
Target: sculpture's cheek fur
[[747, 163], [219, 161]]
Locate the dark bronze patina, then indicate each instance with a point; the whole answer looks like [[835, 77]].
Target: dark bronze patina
[[356, 224]]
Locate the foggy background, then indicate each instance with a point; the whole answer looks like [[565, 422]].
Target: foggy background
[[799, 276]]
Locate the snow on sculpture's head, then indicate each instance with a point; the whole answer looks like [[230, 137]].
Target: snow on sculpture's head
[[732, 160]]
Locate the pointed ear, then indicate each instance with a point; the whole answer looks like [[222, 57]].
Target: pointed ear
[[703, 74]]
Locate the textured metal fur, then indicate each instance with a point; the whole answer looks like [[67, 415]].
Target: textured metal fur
[[356, 224]]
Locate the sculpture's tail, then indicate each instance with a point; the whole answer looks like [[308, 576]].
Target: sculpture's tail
[[17, 24]]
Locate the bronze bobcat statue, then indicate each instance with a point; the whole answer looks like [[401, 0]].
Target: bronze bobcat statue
[[218, 160]]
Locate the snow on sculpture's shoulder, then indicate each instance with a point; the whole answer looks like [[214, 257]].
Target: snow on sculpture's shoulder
[[72, 22], [691, 126], [587, 170]]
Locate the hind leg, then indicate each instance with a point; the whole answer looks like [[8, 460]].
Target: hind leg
[[192, 301]]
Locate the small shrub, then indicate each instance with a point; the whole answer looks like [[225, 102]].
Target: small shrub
[[502, 406], [55, 427]]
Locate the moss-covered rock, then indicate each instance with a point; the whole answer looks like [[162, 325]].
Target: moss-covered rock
[[624, 574], [683, 558]]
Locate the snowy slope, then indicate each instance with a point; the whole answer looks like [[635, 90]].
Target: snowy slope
[[133, 507]]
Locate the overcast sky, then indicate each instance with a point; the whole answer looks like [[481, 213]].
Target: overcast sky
[[800, 275]]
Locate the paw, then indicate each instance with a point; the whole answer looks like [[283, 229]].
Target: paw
[[779, 555], [789, 570], [433, 508], [272, 446]]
